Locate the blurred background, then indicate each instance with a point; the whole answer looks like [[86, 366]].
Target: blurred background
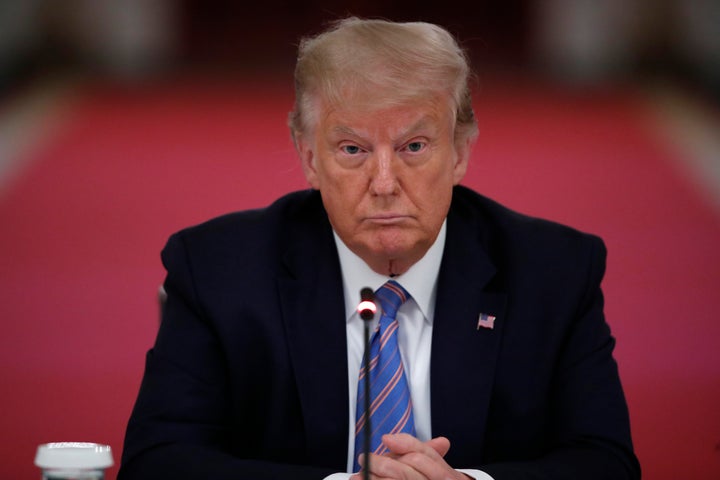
[[122, 121]]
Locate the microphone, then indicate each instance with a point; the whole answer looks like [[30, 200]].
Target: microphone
[[367, 308]]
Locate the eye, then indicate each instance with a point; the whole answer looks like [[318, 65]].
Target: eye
[[349, 154], [415, 147], [350, 149]]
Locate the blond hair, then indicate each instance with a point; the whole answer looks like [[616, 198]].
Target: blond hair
[[395, 62]]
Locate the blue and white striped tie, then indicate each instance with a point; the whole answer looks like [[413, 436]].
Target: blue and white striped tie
[[391, 405]]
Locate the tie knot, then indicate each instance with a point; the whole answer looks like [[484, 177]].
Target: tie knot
[[391, 295]]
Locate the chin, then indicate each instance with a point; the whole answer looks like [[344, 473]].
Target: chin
[[390, 243], [396, 248]]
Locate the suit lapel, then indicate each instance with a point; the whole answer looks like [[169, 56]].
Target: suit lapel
[[311, 296], [463, 356]]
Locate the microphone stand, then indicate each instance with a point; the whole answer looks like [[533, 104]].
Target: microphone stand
[[368, 426], [367, 310]]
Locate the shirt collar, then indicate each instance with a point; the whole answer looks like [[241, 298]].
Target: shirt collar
[[420, 280]]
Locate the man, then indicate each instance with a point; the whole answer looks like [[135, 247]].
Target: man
[[505, 366]]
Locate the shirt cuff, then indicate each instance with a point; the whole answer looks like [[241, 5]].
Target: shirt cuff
[[476, 474], [340, 476]]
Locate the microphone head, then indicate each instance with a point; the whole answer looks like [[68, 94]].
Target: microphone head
[[367, 307], [367, 294]]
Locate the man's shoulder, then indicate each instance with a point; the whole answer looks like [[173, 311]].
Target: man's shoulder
[[504, 231], [468, 202], [250, 235], [283, 213]]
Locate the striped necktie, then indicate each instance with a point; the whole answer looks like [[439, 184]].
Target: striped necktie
[[391, 405]]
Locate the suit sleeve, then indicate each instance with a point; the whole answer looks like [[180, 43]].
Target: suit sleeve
[[588, 433], [180, 425]]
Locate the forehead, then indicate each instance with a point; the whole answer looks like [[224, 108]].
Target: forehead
[[358, 114]]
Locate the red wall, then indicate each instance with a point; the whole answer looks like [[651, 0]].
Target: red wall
[[85, 219]]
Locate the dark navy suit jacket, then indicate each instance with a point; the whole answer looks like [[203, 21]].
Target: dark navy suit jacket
[[248, 375]]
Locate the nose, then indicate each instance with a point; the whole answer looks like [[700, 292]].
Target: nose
[[383, 177]]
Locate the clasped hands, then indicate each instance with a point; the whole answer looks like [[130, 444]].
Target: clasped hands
[[409, 458]]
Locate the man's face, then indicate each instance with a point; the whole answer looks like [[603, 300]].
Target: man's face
[[385, 176]]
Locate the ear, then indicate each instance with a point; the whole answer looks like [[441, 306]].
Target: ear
[[307, 160], [462, 156]]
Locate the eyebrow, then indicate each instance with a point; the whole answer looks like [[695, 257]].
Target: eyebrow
[[343, 130], [422, 123]]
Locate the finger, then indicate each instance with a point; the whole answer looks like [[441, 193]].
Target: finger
[[361, 476], [402, 443], [440, 444], [384, 466], [425, 458]]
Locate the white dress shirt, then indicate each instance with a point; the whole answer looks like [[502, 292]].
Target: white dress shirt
[[415, 318]]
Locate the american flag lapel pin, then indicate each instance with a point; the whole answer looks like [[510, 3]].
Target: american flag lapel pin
[[486, 321]]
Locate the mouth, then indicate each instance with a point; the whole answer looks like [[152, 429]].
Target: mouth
[[387, 219]]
